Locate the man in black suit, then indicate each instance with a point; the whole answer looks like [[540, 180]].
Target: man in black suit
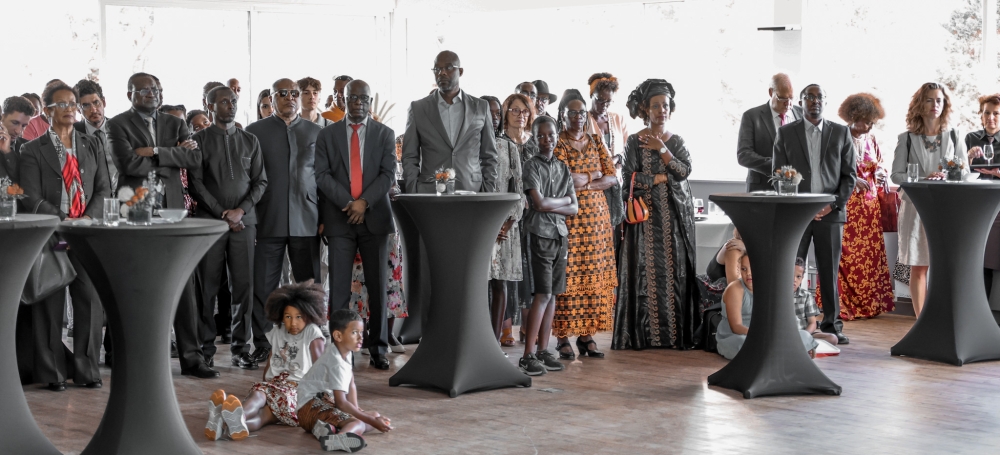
[[823, 152], [94, 123], [143, 140], [17, 112], [355, 160], [287, 214], [758, 129]]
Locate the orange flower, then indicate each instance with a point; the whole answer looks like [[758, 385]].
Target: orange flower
[[14, 190]]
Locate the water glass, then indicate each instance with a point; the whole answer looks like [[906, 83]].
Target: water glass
[[8, 208], [399, 171], [912, 172], [713, 208], [112, 211]]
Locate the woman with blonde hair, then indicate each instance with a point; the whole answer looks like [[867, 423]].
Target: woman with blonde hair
[[927, 139]]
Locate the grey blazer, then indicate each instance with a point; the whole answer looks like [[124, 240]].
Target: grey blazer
[[333, 177], [42, 180], [837, 171], [756, 144], [427, 148]]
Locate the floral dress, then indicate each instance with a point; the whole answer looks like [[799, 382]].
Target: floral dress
[[506, 263], [586, 306], [395, 302]]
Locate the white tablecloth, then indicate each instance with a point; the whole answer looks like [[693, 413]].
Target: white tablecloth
[[710, 235]]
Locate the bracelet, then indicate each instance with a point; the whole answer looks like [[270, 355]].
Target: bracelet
[[590, 178], [587, 187]]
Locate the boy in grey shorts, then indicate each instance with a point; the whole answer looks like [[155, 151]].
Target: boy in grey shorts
[[551, 196]]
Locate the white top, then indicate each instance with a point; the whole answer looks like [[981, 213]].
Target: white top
[[814, 139], [776, 117], [291, 352], [452, 115], [331, 372]]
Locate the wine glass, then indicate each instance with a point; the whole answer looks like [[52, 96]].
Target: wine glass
[[988, 153], [399, 171], [699, 206]]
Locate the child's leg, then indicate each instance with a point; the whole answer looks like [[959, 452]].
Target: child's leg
[[253, 403], [545, 328], [534, 322]]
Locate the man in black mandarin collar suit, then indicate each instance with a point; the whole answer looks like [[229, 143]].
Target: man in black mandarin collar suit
[[355, 160], [137, 152], [823, 152], [759, 128]]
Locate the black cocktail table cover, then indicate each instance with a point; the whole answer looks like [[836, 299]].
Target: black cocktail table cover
[[416, 283], [458, 351], [140, 272], [772, 360], [21, 241], [955, 325]]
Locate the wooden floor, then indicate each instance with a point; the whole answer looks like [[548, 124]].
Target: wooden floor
[[654, 402]]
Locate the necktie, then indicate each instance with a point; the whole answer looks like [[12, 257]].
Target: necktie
[[112, 170], [355, 162], [782, 119], [152, 130]]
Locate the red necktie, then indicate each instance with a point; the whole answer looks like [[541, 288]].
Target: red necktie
[[355, 162], [782, 117]]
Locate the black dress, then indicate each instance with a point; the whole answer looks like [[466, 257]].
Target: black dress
[[657, 303]]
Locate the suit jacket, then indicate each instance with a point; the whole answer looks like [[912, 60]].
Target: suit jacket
[[42, 180], [9, 161], [288, 207], [838, 171], [333, 177], [127, 132], [756, 144], [427, 148]]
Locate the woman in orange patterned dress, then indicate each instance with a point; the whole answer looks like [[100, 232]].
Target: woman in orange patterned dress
[[865, 284], [586, 306]]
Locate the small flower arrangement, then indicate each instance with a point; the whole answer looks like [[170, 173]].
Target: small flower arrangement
[[10, 189], [788, 180], [444, 181], [137, 206], [9, 194], [952, 167]]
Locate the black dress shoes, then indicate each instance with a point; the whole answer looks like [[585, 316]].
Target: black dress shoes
[[226, 338], [202, 371], [379, 361], [261, 355], [244, 361], [94, 385], [57, 386], [842, 339], [173, 350]]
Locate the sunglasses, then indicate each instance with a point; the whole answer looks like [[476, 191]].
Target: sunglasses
[[285, 93]]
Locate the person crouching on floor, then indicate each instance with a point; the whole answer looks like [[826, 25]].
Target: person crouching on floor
[[296, 347], [329, 404]]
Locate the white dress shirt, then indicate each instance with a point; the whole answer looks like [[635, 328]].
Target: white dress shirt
[[777, 118], [361, 138], [452, 116], [814, 139]]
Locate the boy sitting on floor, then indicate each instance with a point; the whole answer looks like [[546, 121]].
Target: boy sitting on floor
[[805, 307], [328, 398]]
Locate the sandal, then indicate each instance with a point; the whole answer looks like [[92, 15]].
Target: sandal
[[584, 347], [566, 355], [506, 338]]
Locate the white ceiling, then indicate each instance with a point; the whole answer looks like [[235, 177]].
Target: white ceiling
[[464, 6]]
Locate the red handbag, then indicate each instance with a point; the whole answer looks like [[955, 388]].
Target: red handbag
[[636, 210], [889, 206]]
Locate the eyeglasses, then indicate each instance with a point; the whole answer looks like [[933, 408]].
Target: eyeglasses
[[64, 105], [785, 100], [285, 93], [813, 98], [356, 98], [147, 91], [518, 112], [436, 70], [87, 106], [576, 114]]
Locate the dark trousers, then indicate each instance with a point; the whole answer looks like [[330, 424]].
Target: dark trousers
[[234, 250], [187, 327], [224, 318], [269, 256], [374, 258], [826, 238], [50, 354]]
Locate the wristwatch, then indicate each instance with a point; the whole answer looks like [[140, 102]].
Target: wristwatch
[[156, 151], [834, 206], [664, 150]]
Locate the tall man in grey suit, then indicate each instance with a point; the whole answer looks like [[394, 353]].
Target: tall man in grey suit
[[449, 129], [823, 152], [759, 128], [355, 166]]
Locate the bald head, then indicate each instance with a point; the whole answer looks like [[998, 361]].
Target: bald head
[[781, 93], [234, 85], [359, 100], [446, 57], [282, 81]]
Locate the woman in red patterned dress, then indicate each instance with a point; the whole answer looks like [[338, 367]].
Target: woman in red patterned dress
[[865, 284]]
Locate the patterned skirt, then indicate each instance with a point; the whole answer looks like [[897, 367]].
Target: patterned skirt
[[586, 306], [282, 398], [395, 302]]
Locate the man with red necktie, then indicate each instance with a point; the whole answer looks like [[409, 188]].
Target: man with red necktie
[[355, 162]]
